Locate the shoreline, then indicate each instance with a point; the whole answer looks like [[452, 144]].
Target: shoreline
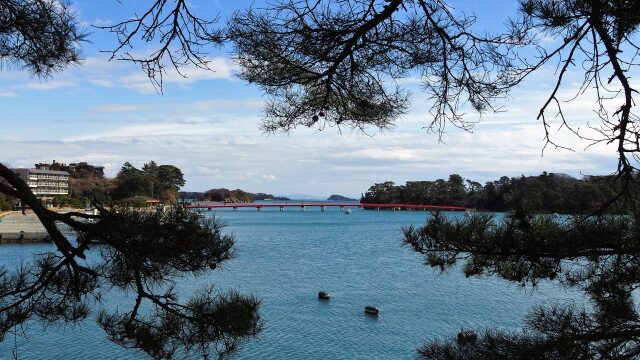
[[18, 228]]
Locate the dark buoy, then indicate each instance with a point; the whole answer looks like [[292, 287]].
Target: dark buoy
[[466, 337], [371, 310], [323, 295]]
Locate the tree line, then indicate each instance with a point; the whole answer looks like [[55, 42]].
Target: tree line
[[228, 196], [161, 182], [544, 193]]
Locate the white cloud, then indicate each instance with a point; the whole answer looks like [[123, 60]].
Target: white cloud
[[102, 22], [121, 108], [153, 132], [216, 141], [99, 71], [387, 154], [348, 163], [51, 85], [202, 105], [135, 79]]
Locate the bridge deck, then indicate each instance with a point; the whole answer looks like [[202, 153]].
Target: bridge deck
[[325, 205]]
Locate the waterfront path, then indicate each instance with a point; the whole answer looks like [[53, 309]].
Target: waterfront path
[[17, 228]]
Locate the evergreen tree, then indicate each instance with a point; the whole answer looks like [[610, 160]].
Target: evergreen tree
[[335, 63]]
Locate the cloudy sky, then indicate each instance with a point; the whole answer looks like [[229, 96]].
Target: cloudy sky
[[107, 112]]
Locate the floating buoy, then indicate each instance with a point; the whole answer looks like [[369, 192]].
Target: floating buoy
[[468, 336], [323, 295], [371, 310]]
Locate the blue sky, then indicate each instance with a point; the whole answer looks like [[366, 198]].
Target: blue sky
[[107, 113]]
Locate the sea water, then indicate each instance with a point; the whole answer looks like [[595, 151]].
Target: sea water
[[285, 258]]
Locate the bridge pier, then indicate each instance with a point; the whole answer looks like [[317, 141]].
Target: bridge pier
[[324, 206]]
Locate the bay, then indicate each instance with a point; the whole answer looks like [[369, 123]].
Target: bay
[[285, 258]]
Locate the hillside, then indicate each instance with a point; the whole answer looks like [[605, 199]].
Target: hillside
[[339, 198]]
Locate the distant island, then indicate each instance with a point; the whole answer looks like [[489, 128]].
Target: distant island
[[229, 196], [263, 196], [339, 198]]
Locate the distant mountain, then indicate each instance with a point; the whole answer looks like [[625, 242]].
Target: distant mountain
[[339, 198], [303, 197]]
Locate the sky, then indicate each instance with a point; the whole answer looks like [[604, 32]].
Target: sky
[[207, 124]]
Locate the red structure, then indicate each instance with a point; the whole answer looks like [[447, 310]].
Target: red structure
[[322, 206]]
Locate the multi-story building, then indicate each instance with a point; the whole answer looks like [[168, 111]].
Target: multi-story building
[[81, 170], [45, 183]]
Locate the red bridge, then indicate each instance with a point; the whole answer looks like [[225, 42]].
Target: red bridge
[[323, 206]]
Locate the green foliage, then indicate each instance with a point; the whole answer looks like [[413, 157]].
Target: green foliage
[[546, 193], [264, 196], [40, 36], [71, 201], [170, 177], [156, 181], [144, 254], [130, 182], [226, 195], [6, 202], [149, 250], [336, 63], [595, 254]]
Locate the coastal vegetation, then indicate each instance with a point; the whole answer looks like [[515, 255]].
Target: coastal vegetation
[[161, 182], [229, 196], [545, 193], [264, 196], [153, 180], [325, 65], [6, 202], [339, 198]]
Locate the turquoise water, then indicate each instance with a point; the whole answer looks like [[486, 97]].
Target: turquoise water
[[285, 258]]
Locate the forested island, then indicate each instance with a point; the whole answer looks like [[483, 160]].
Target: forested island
[[229, 196], [339, 198], [547, 192]]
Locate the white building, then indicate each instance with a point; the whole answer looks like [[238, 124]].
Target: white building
[[45, 184]]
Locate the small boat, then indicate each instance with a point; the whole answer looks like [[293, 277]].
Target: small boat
[[371, 310], [348, 211], [323, 295]]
